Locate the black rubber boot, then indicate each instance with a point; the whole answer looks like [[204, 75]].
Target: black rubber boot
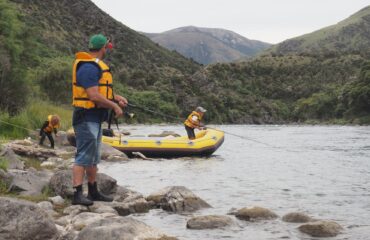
[[79, 199], [95, 195]]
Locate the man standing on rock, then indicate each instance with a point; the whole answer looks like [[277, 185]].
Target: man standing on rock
[[92, 98]]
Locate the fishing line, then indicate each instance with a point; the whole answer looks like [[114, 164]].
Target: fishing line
[[232, 134]]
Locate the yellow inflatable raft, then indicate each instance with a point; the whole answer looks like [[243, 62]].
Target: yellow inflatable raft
[[206, 143]]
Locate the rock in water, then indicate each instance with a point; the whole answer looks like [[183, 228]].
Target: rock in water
[[296, 217], [24, 220], [321, 229], [255, 213], [109, 152], [209, 222], [177, 199], [120, 228]]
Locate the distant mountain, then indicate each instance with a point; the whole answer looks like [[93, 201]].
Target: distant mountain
[[351, 35], [208, 45]]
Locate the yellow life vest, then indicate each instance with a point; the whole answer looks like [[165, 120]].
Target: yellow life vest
[[50, 128], [80, 98], [190, 122]]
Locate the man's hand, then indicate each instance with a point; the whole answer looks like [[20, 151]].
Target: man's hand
[[118, 111], [121, 100]]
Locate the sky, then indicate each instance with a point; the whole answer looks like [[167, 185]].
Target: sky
[[267, 20]]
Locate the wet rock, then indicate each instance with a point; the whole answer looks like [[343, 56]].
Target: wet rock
[[106, 184], [24, 220], [108, 152], [296, 217], [45, 205], [14, 161], [321, 229], [29, 182], [57, 200], [165, 134], [120, 228], [255, 213], [177, 199], [129, 207], [209, 222], [124, 193], [117, 158]]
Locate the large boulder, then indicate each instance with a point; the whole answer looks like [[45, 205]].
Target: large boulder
[[14, 161], [109, 153], [177, 199], [321, 229], [120, 228], [296, 217], [30, 149], [106, 184], [24, 220], [255, 213], [61, 183], [61, 139], [81, 220], [209, 222], [29, 182]]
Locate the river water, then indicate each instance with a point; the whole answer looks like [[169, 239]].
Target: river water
[[323, 171]]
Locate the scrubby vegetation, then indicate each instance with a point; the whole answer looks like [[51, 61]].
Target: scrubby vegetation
[[296, 81]]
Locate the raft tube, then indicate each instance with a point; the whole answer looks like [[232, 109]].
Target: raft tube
[[206, 143]]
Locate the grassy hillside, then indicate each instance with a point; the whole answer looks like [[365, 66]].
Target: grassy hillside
[[351, 35], [208, 45], [38, 40]]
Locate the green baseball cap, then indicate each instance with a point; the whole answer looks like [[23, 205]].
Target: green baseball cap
[[97, 42]]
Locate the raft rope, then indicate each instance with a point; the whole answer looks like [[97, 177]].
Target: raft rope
[[17, 126]]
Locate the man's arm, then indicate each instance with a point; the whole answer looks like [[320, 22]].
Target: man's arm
[[101, 101]]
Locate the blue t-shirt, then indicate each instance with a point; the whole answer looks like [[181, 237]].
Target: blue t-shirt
[[88, 75]]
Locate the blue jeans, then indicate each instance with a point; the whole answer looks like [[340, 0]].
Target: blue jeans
[[88, 142]]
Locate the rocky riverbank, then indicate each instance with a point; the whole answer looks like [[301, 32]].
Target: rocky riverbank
[[36, 188]]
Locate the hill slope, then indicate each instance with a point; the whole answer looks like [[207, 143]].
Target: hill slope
[[351, 35], [320, 76], [208, 45], [53, 31]]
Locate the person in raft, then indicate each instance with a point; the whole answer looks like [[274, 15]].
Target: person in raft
[[194, 121], [49, 126], [93, 96]]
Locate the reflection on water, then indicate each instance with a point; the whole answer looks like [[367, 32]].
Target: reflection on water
[[323, 171]]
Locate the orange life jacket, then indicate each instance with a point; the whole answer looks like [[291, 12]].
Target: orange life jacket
[[50, 128], [190, 122], [80, 98]]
